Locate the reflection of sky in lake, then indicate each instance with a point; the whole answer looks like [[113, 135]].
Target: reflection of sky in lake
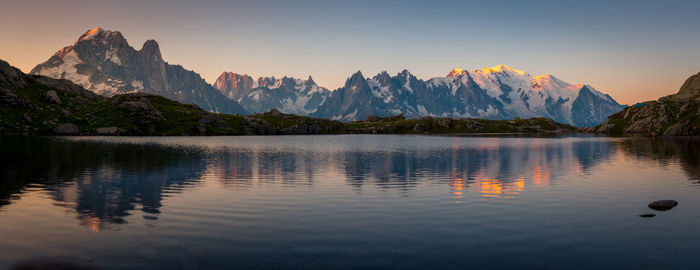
[[170, 191]]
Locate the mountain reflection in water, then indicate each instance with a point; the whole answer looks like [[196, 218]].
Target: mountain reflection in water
[[102, 182], [105, 181]]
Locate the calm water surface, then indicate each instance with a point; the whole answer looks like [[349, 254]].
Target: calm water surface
[[350, 202]]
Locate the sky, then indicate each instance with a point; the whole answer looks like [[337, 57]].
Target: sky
[[633, 50]]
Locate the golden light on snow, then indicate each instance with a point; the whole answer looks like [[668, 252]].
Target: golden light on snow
[[500, 68], [455, 72]]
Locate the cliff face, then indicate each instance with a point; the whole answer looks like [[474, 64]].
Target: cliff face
[[103, 62], [674, 115]]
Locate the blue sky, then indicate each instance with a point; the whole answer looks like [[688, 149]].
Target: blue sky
[[633, 50]]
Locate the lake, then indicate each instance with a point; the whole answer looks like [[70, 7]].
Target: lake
[[350, 202]]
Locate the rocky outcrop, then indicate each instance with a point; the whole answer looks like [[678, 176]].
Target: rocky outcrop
[[144, 116], [52, 97], [690, 90], [674, 115]]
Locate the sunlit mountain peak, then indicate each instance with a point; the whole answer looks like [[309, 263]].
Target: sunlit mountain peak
[[549, 82], [455, 72], [500, 69], [90, 33]]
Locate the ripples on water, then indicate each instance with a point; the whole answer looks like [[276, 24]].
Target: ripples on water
[[356, 201]]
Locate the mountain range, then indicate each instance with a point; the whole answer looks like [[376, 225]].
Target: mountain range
[[39, 105], [499, 92], [288, 95], [102, 61]]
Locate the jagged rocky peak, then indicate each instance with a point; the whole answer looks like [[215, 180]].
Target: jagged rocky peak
[[91, 33], [289, 81], [356, 79], [269, 82], [356, 76], [102, 61], [383, 78], [455, 72], [99, 36], [150, 47], [230, 80], [405, 75], [310, 81]]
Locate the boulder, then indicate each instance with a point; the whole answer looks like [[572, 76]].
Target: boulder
[[663, 205], [685, 128], [110, 131], [135, 106], [52, 97], [66, 129]]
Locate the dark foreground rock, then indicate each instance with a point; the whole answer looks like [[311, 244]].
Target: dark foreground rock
[[663, 205], [673, 115]]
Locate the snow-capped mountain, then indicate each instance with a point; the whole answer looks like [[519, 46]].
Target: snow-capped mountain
[[102, 61], [288, 95], [498, 92]]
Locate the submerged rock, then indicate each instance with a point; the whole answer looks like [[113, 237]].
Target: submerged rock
[[663, 205], [647, 215]]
